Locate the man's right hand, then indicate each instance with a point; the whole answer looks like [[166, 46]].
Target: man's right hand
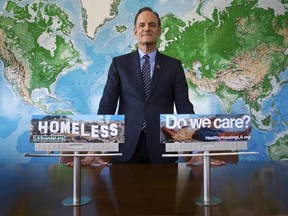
[[88, 160]]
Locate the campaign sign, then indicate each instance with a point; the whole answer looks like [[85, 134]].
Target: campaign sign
[[205, 128], [77, 129]]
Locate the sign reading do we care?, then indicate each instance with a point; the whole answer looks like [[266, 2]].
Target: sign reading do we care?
[[77, 129], [206, 127]]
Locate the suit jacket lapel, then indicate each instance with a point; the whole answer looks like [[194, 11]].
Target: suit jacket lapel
[[158, 70], [136, 70]]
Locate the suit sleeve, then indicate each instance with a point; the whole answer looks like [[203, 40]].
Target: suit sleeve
[[181, 97], [109, 100]]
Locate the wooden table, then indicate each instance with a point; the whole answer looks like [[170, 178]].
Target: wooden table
[[246, 188]]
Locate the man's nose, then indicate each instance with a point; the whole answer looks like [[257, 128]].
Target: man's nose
[[146, 27]]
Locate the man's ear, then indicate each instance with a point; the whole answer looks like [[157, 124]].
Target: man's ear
[[160, 30], [135, 30]]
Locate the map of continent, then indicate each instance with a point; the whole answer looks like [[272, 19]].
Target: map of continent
[[55, 56]]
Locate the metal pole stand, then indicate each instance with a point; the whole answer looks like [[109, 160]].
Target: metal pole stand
[[77, 199], [207, 200]]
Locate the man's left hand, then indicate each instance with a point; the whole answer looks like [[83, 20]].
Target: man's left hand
[[199, 160]]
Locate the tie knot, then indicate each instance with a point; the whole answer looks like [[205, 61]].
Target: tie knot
[[146, 57]]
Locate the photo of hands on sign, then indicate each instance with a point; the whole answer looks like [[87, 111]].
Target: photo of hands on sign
[[187, 133], [197, 128]]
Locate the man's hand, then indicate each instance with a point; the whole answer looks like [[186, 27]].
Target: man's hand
[[199, 160], [89, 160], [185, 133]]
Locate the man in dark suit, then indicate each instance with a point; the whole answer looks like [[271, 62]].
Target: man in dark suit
[[142, 103], [168, 87]]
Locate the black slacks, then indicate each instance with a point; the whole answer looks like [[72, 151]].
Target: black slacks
[[141, 152]]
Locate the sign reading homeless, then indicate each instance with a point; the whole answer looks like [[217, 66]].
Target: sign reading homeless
[[77, 129]]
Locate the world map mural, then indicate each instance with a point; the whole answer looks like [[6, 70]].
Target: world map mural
[[55, 56]]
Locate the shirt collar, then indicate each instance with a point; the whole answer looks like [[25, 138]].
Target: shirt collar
[[152, 55]]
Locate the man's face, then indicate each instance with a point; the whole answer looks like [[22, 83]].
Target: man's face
[[147, 29]]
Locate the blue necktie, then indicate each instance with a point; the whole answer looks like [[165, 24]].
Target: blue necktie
[[146, 77]]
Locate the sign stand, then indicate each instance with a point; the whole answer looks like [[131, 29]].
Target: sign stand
[[77, 133], [77, 199], [207, 200], [214, 132]]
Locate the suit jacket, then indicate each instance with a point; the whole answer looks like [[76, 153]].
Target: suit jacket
[[124, 85]]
